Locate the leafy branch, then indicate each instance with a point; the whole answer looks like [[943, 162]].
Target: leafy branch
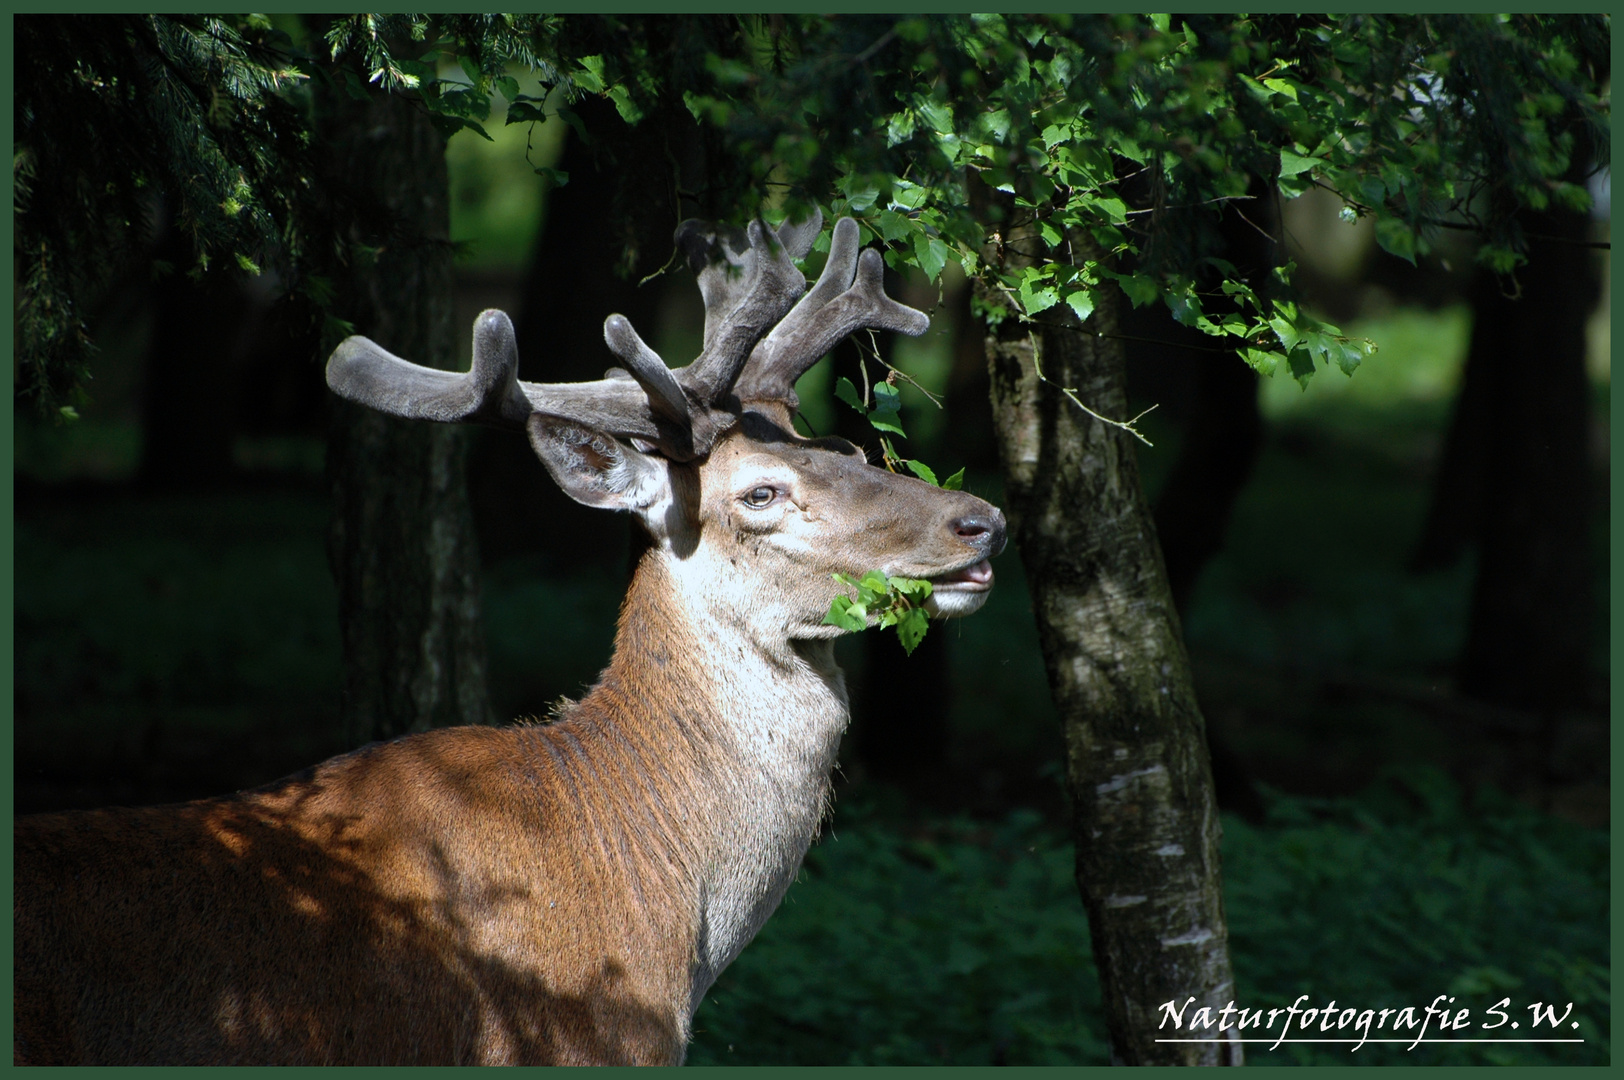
[[889, 601]]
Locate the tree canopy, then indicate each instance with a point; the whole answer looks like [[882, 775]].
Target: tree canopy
[[1052, 156]]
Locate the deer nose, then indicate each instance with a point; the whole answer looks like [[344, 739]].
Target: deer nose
[[983, 531]]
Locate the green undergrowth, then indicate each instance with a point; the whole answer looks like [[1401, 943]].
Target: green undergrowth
[[956, 942]]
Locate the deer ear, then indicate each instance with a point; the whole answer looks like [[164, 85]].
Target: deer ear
[[596, 469]]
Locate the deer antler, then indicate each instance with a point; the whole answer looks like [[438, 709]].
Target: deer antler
[[491, 393], [749, 282], [849, 296]]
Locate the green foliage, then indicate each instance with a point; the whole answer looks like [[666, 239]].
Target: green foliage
[[1056, 156], [889, 601], [949, 942], [886, 416], [199, 119], [1411, 891]]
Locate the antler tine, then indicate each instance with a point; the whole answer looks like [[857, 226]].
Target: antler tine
[[362, 371], [771, 285], [645, 365], [842, 302]]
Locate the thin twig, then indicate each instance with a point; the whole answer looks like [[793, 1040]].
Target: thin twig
[[868, 53], [1071, 392], [1261, 231], [874, 353], [1186, 206], [1464, 226]]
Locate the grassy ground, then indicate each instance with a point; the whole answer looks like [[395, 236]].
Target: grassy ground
[[960, 942]]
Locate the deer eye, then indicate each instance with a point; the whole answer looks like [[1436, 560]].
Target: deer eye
[[760, 497]]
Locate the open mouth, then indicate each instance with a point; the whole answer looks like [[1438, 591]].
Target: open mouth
[[977, 577]]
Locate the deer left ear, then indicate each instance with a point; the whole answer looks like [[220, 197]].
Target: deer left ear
[[596, 469]]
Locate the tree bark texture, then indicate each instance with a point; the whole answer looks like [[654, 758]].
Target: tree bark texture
[[402, 540], [1145, 821], [1529, 631]]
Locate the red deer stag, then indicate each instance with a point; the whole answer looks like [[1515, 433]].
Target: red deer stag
[[562, 892]]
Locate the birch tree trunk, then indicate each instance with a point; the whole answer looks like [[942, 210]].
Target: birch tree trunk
[[402, 542], [1145, 821]]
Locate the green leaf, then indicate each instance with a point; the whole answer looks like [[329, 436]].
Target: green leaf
[[887, 399], [954, 482], [917, 590], [931, 254], [841, 615], [554, 177], [568, 115], [892, 225], [923, 471], [589, 76], [1262, 361], [624, 105], [1282, 86], [1082, 302], [911, 630], [1500, 258], [860, 191], [874, 581], [1301, 362], [1284, 329], [900, 127], [1141, 290], [1115, 209], [526, 112], [1396, 238], [1291, 164], [845, 391], [908, 195]]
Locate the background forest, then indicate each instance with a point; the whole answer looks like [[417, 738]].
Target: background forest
[[1389, 834]]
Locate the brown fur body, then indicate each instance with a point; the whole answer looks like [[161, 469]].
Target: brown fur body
[[467, 895], [549, 893]]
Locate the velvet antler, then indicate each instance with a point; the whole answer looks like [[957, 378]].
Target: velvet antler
[[758, 341]]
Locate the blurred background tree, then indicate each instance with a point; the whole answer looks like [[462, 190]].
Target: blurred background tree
[[1063, 167]]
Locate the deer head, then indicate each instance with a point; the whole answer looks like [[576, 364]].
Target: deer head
[[750, 517]]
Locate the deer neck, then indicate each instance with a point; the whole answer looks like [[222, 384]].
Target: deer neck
[[762, 716]]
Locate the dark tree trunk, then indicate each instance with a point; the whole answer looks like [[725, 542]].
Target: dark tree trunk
[[402, 542], [1145, 822], [1529, 636], [1222, 438], [1516, 480]]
